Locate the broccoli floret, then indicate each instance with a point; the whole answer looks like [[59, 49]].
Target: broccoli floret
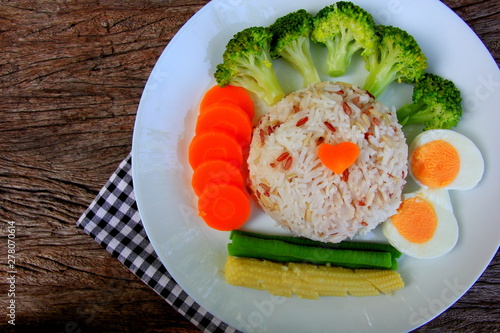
[[291, 40], [344, 28], [398, 57], [436, 104], [247, 63]]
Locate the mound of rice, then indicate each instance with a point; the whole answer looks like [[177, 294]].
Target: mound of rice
[[298, 191]]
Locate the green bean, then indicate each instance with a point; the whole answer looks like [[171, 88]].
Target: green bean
[[278, 250], [351, 245]]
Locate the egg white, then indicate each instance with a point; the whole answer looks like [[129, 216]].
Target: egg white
[[471, 160], [446, 235]]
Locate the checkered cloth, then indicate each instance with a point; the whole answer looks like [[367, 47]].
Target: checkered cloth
[[113, 221]]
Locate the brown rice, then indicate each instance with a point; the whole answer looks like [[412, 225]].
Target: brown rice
[[298, 191]]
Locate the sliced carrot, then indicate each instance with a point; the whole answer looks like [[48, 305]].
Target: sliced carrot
[[214, 146], [216, 172], [339, 157], [224, 207], [230, 94], [227, 118]]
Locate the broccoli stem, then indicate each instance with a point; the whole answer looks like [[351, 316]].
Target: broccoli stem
[[414, 113], [265, 85], [298, 54], [272, 92], [339, 55], [406, 110], [379, 78], [383, 70]]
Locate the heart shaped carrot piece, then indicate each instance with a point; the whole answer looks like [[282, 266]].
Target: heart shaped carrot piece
[[338, 157]]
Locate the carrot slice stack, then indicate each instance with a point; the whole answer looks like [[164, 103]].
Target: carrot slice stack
[[217, 156]]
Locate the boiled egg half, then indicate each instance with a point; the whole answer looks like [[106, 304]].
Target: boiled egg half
[[445, 159], [424, 225]]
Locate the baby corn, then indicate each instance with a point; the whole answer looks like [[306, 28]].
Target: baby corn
[[308, 280]]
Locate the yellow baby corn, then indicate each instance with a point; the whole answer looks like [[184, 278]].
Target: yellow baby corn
[[385, 283], [308, 280]]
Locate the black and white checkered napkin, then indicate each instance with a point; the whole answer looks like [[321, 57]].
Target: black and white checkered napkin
[[113, 221]]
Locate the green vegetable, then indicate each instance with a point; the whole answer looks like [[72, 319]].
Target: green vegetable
[[291, 41], [398, 57], [366, 246], [344, 28], [247, 63], [436, 104], [278, 250]]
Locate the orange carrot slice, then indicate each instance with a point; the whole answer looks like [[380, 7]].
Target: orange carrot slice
[[214, 146], [224, 207], [230, 94], [216, 172], [339, 157], [227, 118]]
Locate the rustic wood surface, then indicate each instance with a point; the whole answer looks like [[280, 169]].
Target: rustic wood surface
[[71, 76]]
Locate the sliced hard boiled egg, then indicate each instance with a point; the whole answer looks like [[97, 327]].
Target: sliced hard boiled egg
[[445, 159], [424, 226]]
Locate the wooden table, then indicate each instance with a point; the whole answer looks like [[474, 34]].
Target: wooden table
[[71, 76]]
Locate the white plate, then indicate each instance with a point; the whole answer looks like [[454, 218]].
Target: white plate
[[195, 254]]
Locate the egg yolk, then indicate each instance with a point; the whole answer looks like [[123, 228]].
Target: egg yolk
[[435, 164], [416, 220]]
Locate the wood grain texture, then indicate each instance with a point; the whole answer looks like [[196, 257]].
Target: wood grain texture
[[71, 76]]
